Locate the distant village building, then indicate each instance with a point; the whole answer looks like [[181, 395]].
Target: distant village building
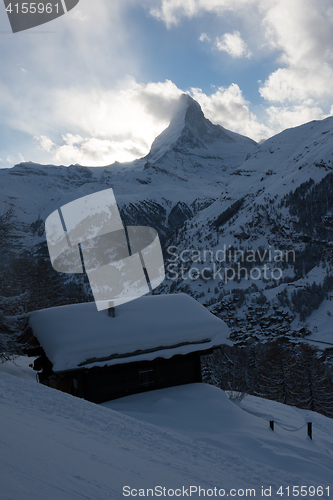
[[149, 343]]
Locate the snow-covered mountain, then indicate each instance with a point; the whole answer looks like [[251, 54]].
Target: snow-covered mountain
[[278, 202], [191, 134], [187, 168], [205, 188]]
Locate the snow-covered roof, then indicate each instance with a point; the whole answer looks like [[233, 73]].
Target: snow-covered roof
[[78, 336]]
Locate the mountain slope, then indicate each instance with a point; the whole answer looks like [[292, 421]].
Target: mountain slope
[[279, 200], [205, 188], [189, 163]]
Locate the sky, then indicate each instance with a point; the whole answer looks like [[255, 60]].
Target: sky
[[98, 84]]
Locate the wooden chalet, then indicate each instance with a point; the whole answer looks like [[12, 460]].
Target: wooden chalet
[[149, 343]]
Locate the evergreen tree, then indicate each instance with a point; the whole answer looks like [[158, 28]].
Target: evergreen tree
[[313, 388], [274, 373]]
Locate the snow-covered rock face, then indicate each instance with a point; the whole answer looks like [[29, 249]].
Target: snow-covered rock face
[[190, 132]]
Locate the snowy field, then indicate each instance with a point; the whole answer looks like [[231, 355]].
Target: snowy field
[[57, 447]]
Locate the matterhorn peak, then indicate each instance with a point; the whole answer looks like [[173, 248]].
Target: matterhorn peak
[[189, 109], [189, 132], [193, 111], [188, 113]]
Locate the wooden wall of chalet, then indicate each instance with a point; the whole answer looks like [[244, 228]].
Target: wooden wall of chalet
[[103, 384]]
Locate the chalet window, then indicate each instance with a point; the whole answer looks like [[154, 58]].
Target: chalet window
[[147, 377]]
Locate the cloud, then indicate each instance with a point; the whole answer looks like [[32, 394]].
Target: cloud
[[172, 11], [204, 37], [283, 117], [302, 31], [99, 127], [45, 143], [299, 34], [233, 44], [90, 151], [227, 107], [297, 84], [71, 79], [78, 90]]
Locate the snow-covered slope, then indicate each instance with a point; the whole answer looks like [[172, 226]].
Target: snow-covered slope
[[260, 209], [279, 165], [187, 168], [56, 446]]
